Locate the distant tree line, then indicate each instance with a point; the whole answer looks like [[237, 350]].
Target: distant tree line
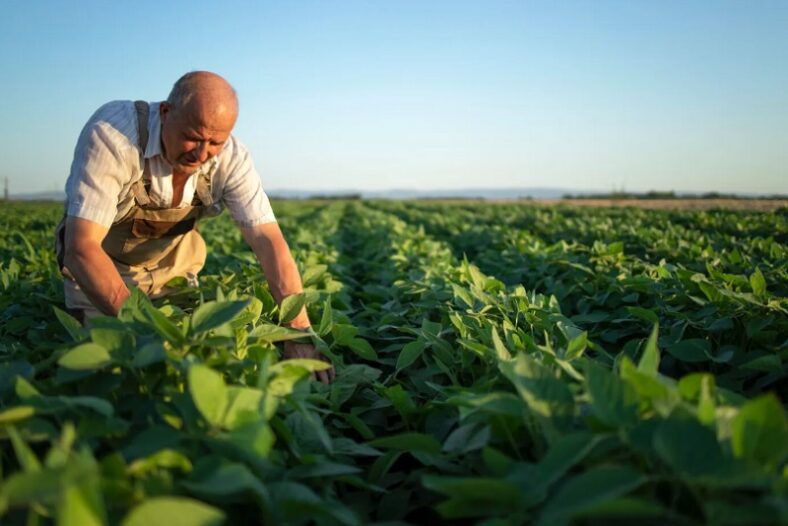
[[667, 195], [319, 197]]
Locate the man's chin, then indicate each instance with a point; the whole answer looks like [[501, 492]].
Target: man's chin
[[187, 168]]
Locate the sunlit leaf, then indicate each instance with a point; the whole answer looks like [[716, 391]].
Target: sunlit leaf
[[166, 511], [86, 357], [209, 393]]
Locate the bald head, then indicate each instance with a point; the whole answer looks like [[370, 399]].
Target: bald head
[[205, 94]]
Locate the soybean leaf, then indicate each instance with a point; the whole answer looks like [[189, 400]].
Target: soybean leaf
[[343, 333], [255, 437], [588, 490], [268, 332], [208, 392], [25, 389], [251, 314], [688, 447], [164, 458], [644, 314], [323, 469], [347, 446], [474, 496], [327, 319], [758, 283], [166, 511], [691, 350], [82, 504], [70, 323], [500, 349], [613, 400], [166, 329], [563, 455], [627, 508], [649, 361], [264, 295], [213, 314], [94, 403], [313, 274], [15, 414], [24, 455], [149, 441], [149, 354], [410, 353], [547, 396], [760, 431], [418, 442], [363, 349], [287, 376], [306, 364], [12, 372], [85, 357], [227, 479], [43, 486], [243, 405], [299, 504], [291, 307], [466, 438], [576, 346]]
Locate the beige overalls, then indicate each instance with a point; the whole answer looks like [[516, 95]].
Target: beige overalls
[[149, 246]]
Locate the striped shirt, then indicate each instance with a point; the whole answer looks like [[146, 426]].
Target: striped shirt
[[107, 163]]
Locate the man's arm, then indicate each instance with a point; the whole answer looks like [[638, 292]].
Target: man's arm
[[91, 267], [269, 245]]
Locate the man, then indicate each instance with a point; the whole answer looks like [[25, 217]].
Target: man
[[142, 175]]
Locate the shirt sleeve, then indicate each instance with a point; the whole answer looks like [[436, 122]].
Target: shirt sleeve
[[243, 193], [101, 167]]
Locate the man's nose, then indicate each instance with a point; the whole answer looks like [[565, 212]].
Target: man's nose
[[202, 151]]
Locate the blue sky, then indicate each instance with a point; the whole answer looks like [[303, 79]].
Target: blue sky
[[370, 95]]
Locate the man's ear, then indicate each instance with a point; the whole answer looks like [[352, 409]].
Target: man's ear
[[164, 109]]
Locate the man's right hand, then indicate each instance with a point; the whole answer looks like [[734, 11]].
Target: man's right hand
[[294, 349], [91, 267]]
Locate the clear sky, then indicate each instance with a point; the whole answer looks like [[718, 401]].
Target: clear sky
[[637, 95]]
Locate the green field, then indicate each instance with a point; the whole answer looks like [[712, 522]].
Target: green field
[[496, 364]]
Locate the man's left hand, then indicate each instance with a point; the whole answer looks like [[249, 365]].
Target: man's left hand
[[307, 350]]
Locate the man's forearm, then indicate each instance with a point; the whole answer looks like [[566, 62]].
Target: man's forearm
[[98, 278], [284, 280], [278, 266], [280, 270]]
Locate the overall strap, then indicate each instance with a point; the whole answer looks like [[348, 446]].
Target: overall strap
[[142, 123], [143, 110]]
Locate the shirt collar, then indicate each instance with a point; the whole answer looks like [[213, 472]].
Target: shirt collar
[[153, 148]]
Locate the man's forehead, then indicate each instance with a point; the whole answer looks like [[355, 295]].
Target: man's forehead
[[207, 132], [218, 120]]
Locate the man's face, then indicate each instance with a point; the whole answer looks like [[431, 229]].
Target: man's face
[[190, 136]]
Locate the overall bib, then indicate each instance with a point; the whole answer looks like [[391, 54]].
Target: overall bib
[[148, 245]]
